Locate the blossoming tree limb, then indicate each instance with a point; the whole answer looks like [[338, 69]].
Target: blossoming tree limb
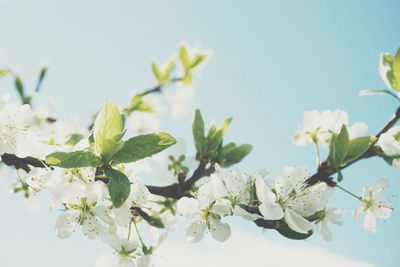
[[102, 179]]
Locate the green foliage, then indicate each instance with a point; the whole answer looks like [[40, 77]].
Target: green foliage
[[4, 72], [211, 146], [163, 76], [138, 104], [231, 154], [74, 139], [338, 147], [108, 131], [393, 73], [190, 63], [19, 86], [76, 159], [340, 176], [142, 146], [358, 146], [342, 150], [198, 133], [119, 186]]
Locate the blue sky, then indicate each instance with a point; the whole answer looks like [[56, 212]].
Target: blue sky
[[272, 61]]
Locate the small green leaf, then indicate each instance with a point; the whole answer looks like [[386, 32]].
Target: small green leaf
[[396, 70], [358, 147], [214, 144], [198, 133], [76, 159], [235, 155], [199, 59], [338, 147], [188, 79], [108, 131], [19, 86], [156, 222], [4, 72], [165, 77], [74, 139], [119, 187], [143, 146], [340, 176], [184, 57], [156, 71], [225, 125]]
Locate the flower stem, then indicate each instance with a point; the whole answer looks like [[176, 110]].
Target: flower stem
[[137, 231], [130, 229], [348, 192], [318, 153]]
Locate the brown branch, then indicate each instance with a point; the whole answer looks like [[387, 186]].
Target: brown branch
[[179, 190], [22, 163]]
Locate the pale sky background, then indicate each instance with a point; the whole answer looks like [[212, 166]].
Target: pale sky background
[[272, 61]]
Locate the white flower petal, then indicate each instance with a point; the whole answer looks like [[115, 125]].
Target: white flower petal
[[271, 210], [195, 231], [370, 222], [296, 222], [220, 231]]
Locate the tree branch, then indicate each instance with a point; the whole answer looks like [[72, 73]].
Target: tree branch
[[22, 163], [325, 171]]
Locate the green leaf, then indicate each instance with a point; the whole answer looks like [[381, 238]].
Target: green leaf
[[184, 57], [225, 125], [119, 187], [19, 86], [199, 59], [188, 79], [396, 70], [143, 146], [4, 72], [338, 147], [235, 155], [156, 222], [42, 73], [214, 144], [76, 159], [228, 147], [358, 147], [156, 71], [340, 176], [74, 139], [165, 77], [108, 131], [137, 103], [200, 140]]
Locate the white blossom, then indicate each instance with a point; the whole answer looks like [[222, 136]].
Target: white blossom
[[292, 200], [319, 126], [373, 206], [329, 215]]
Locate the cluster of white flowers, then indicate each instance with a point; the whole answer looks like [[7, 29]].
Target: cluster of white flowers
[[90, 203], [318, 127]]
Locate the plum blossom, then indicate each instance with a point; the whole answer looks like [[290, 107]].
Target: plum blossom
[[373, 206], [232, 189], [318, 127], [206, 215], [390, 145], [290, 199], [16, 136], [330, 215]]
